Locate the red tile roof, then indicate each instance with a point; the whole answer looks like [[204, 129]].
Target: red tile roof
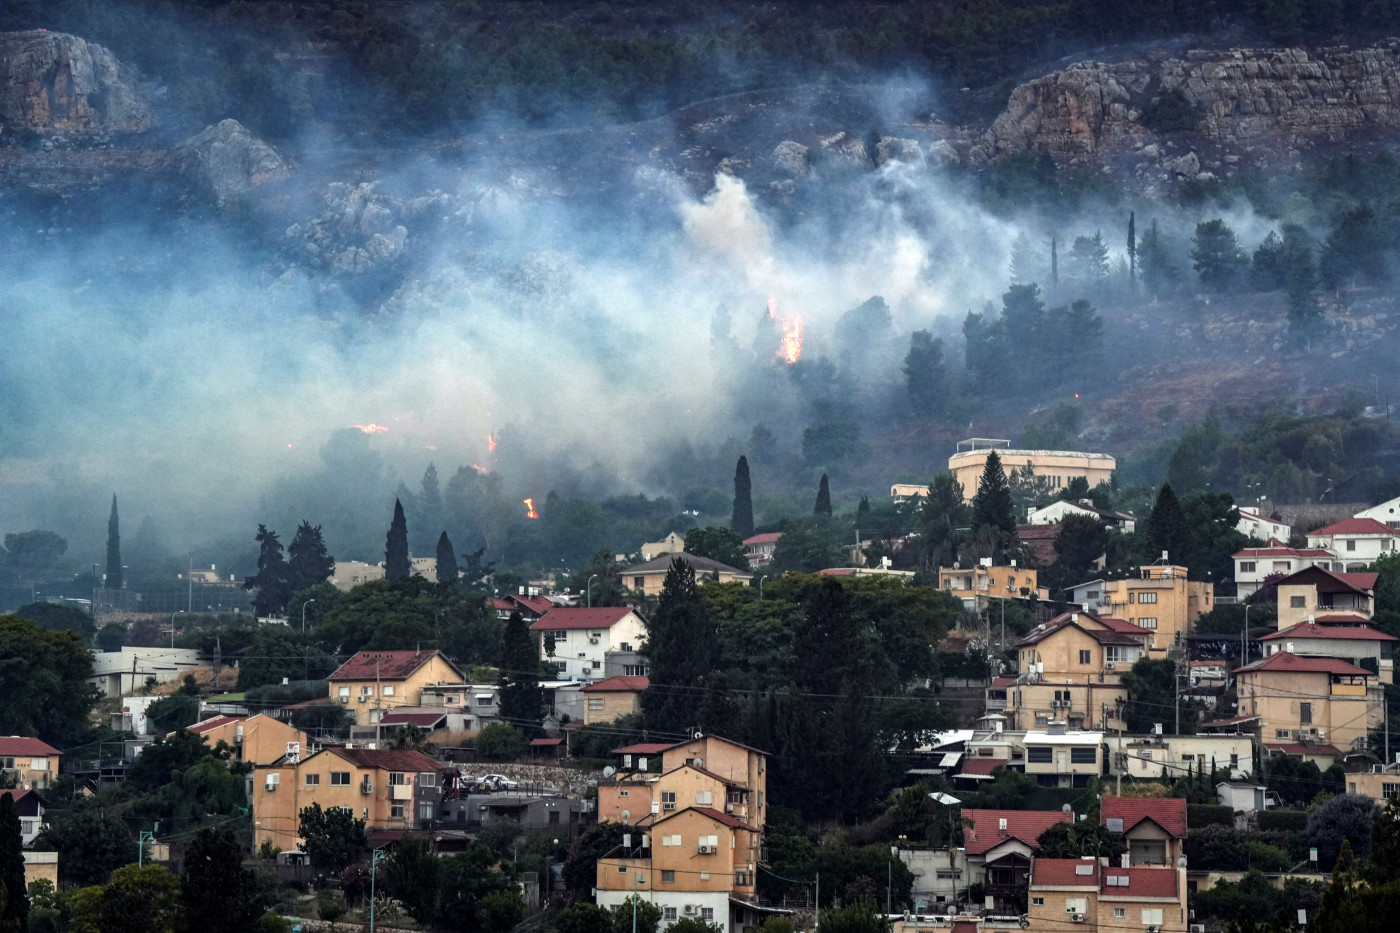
[[1362, 581], [571, 617], [622, 683], [421, 720], [1345, 632], [644, 748], [21, 745], [999, 682], [1065, 873], [386, 759], [1286, 662], [1282, 552], [1337, 618], [836, 572], [1168, 813], [1123, 625], [1293, 748], [724, 818], [985, 830], [973, 765], [386, 665], [1354, 526], [215, 722], [1142, 882], [545, 743], [768, 537]]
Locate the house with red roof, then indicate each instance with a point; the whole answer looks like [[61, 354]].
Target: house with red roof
[[32, 763], [759, 548], [998, 846], [578, 640], [1255, 524], [1362, 645], [1065, 893], [1254, 565], [1357, 542], [1152, 829], [649, 576], [1328, 597], [706, 770], [373, 683], [1069, 670], [1310, 707], [608, 699], [530, 606]]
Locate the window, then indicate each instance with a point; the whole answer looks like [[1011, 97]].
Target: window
[[366, 690], [1132, 597], [313, 780], [345, 692], [427, 779], [638, 582], [668, 876], [711, 841], [1390, 790], [388, 690], [668, 800], [484, 699], [1296, 602], [634, 670], [671, 840], [595, 703], [704, 798], [668, 913], [624, 793], [708, 913], [1282, 733], [560, 636], [38, 764], [1234, 761], [948, 873], [1120, 912], [742, 877], [597, 665], [1037, 902], [1147, 598], [1282, 565], [1305, 713], [340, 779], [1146, 623], [1246, 566], [1115, 653], [1083, 756], [1152, 916], [397, 779], [395, 811], [1038, 754], [1351, 545], [1086, 657]]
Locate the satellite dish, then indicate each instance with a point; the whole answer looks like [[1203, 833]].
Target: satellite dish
[[609, 771]]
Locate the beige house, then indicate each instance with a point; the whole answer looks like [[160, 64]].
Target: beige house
[[1327, 597], [258, 740], [1146, 756], [650, 575], [33, 764], [759, 548], [1058, 757], [609, 699], [1359, 644], [998, 845], [977, 586], [1381, 783], [1058, 467], [348, 574], [1315, 708], [1070, 670], [375, 682], [733, 776], [1153, 829], [1158, 597], [1065, 893], [673, 543], [388, 789]]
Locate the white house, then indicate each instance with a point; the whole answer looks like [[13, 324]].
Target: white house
[[582, 637], [1261, 527], [1387, 513], [119, 673], [1356, 541], [1253, 565], [1055, 512], [1145, 756]]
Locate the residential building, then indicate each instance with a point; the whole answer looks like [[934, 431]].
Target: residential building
[[903, 492], [1157, 597], [1360, 644], [257, 740], [609, 699], [527, 811], [1381, 783], [1255, 524], [941, 875], [1327, 597], [1039, 542], [1316, 708], [582, 639], [1146, 757], [31, 763], [1255, 564], [1387, 513], [1088, 891], [1055, 512], [978, 586], [123, 672], [29, 805], [1070, 669], [673, 543], [375, 682], [40, 866], [390, 790], [759, 548], [1244, 796], [650, 575], [998, 846], [1059, 757], [348, 574], [1058, 467], [1153, 829], [1357, 542], [530, 606], [710, 770]]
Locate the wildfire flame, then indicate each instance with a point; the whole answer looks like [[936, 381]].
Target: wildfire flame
[[491, 443], [479, 469], [792, 339], [530, 509], [371, 428]]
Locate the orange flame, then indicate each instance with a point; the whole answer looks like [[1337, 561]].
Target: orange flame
[[530, 509], [479, 469], [792, 338], [491, 443], [371, 428]]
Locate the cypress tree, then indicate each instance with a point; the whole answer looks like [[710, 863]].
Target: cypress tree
[[863, 510], [1054, 262], [742, 520], [521, 701], [15, 913], [1132, 252], [823, 504], [272, 581], [114, 549], [681, 650], [446, 561], [396, 562], [992, 505], [1166, 526]]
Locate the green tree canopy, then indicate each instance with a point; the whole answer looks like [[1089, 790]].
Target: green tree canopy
[[219, 894], [717, 543], [1216, 255], [141, 900], [273, 579], [45, 679], [742, 519], [333, 838], [991, 506], [308, 561], [397, 564]]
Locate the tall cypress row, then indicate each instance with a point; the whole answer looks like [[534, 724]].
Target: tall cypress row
[[742, 520], [114, 549], [396, 562], [822, 508]]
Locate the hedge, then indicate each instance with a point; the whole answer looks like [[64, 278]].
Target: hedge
[[1291, 821], [1206, 814]]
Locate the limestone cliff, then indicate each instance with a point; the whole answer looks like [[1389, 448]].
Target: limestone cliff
[[228, 161], [51, 83]]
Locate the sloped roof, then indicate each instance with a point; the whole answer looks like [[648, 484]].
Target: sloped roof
[[546, 743], [1295, 748], [622, 683], [1286, 662], [573, 617], [1340, 632], [1328, 581], [768, 537], [721, 817], [1362, 581], [1354, 526], [1122, 625], [1023, 825], [700, 565], [1065, 873], [421, 720], [20, 745], [974, 765], [644, 748], [1251, 552], [386, 759], [388, 665], [1141, 882], [214, 722], [1168, 813]]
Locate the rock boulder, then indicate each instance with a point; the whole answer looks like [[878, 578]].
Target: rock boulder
[[51, 82]]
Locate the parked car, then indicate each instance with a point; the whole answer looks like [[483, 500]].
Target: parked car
[[499, 782]]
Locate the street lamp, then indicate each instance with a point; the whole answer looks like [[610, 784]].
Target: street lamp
[[374, 859], [303, 614], [172, 626], [588, 587]]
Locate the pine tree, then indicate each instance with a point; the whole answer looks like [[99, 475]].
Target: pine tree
[[863, 510], [992, 506], [15, 913], [308, 561], [681, 650], [272, 581], [1166, 525], [522, 704], [427, 512], [446, 561], [396, 562], [742, 520], [823, 503], [114, 549]]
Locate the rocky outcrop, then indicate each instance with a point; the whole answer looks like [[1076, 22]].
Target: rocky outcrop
[[51, 82], [360, 229], [228, 161], [1238, 97]]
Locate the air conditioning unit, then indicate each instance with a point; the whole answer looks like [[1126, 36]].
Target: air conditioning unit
[[690, 910], [271, 783], [362, 699], [1154, 929], [1108, 665], [345, 699], [1080, 918], [1197, 928], [366, 787], [707, 850], [593, 639]]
